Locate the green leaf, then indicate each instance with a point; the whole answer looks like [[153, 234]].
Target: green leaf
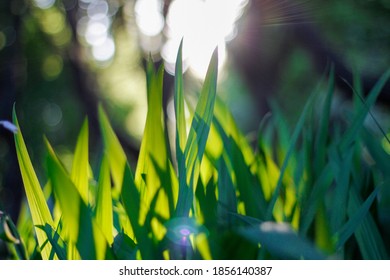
[[124, 247], [114, 151], [197, 138], [59, 246], [76, 216], [132, 203], [355, 221], [36, 200], [358, 121], [290, 151], [80, 166], [103, 211], [363, 226], [153, 157]]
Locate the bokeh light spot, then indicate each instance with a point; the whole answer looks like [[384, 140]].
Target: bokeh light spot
[[52, 114], [44, 4], [52, 67]]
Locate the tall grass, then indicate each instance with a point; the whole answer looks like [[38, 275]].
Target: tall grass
[[305, 193]]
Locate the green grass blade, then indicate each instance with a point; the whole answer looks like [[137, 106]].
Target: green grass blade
[[181, 135], [80, 166], [310, 207], [197, 137], [59, 245], [114, 151], [293, 140], [323, 134], [341, 165], [355, 221], [76, 216], [227, 200], [132, 202], [368, 236], [103, 211], [281, 241], [181, 132], [39, 209], [358, 121], [153, 157]]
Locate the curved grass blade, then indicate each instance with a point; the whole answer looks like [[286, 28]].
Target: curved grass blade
[[76, 216], [80, 166], [103, 211], [114, 151], [197, 138], [293, 140], [39, 209], [132, 203], [358, 121], [153, 157], [59, 246]]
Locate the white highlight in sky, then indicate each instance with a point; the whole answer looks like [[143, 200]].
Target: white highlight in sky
[[149, 17], [204, 25]]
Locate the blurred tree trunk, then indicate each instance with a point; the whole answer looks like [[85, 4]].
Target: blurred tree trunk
[[11, 77]]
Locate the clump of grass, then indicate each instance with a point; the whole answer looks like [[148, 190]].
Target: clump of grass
[[301, 194]]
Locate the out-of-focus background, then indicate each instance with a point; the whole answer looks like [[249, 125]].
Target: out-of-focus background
[[60, 59]]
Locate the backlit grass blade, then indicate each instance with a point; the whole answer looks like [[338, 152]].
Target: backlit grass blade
[[181, 133], [293, 140], [59, 245], [80, 166], [153, 157], [197, 138], [76, 216], [39, 210], [250, 192], [132, 202], [281, 241], [115, 154], [103, 211], [227, 200]]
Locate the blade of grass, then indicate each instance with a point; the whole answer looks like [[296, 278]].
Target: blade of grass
[[293, 140], [355, 221], [132, 203], [39, 209], [153, 156], [367, 234], [361, 114], [76, 216], [197, 138], [114, 151], [103, 211], [80, 166], [59, 246]]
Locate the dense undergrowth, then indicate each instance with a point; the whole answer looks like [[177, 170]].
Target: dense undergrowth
[[318, 191]]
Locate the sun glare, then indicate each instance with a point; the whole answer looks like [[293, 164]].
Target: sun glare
[[204, 25]]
